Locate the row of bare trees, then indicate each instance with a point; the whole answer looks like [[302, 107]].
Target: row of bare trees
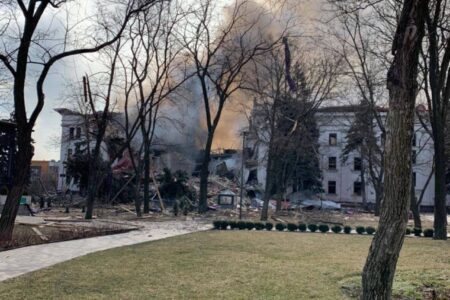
[[145, 50]]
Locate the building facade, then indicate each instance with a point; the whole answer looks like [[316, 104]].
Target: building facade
[[341, 178]]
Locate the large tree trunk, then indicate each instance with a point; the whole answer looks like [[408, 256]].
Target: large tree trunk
[[21, 171], [440, 208], [204, 174], [379, 270]]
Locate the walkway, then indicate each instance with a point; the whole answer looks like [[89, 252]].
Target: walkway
[[23, 260]]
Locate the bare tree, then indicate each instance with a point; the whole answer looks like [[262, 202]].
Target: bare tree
[[379, 270], [219, 54], [27, 48], [435, 69], [288, 89], [154, 70]]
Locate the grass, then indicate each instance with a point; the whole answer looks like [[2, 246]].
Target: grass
[[235, 265]]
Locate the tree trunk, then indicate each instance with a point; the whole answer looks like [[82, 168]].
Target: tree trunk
[[440, 208], [415, 211], [379, 270], [269, 184], [91, 190], [21, 171], [146, 177], [204, 174]]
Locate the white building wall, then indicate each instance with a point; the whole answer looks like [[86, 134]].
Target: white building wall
[[344, 175]]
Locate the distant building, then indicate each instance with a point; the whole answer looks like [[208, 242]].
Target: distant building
[[78, 133], [341, 181]]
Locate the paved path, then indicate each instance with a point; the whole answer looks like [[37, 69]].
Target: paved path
[[23, 260]]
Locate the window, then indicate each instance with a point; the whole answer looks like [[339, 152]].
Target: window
[[414, 179], [78, 135], [414, 140], [332, 163], [77, 149], [357, 164], [69, 153], [332, 139], [332, 187], [357, 188], [413, 157], [71, 133]]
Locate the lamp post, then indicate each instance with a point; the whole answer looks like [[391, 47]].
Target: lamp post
[[242, 174]]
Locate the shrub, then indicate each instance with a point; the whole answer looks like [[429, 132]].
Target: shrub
[[324, 228], [370, 230], [259, 226], [417, 231], [302, 227], [336, 229], [312, 227], [175, 208], [233, 224], [280, 227], [217, 224], [408, 231], [241, 225], [269, 226], [224, 225], [292, 227], [360, 229], [428, 233], [347, 229], [250, 225]]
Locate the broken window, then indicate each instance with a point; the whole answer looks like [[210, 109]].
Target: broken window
[[332, 139], [332, 161], [252, 177], [71, 133], [357, 188], [332, 187], [357, 164]]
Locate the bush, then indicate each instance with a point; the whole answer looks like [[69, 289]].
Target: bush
[[250, 225], [370, 230], [417, 231], [292, 227], [408, 231], [312, 227], [336, 229], [324, 228], [428, 233], [280, 227], [224, 225], [302, 227], [241, 225], [217, 224], [259, 226], [233, 224], [269, 226], [360, 229], [347, 229]]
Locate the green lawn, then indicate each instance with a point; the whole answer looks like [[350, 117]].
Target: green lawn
[[234, 265]]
